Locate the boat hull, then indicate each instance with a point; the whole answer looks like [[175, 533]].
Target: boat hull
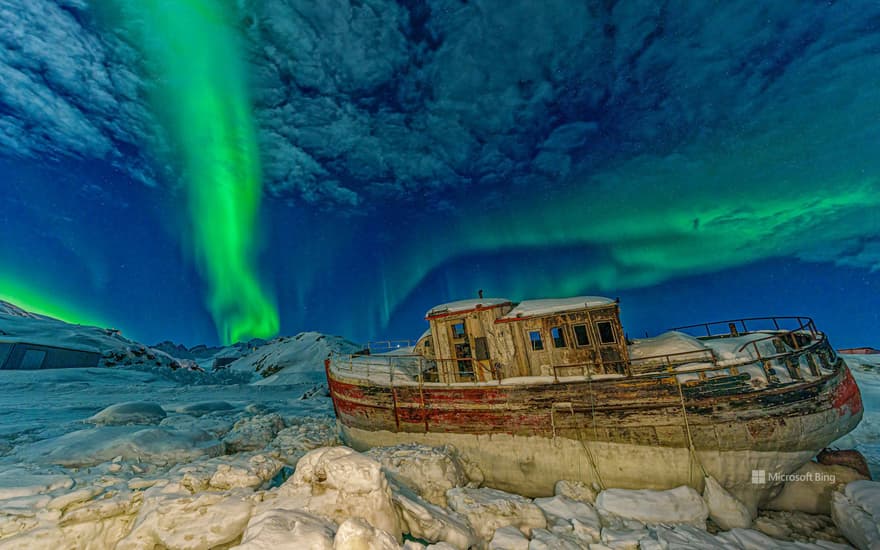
[[626, 433]]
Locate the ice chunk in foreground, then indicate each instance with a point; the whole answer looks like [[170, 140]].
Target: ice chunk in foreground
[[276, 529], [253, 432], [575, 490], [811, 488], [724, 509], [680, 505], [429, 522], [22, 483], [177, 519], [508, 538], [856, 512], [339, 483], [430, 471], [357, 534], [134, 412], [488, 509]]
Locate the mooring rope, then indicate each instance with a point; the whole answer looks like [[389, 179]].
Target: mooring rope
[[687, 425], [595, 432]]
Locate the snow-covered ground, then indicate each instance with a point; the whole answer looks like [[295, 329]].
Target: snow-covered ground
[[144, 454]]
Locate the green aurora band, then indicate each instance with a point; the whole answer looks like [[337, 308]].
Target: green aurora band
[[798, 180], [202, 102]]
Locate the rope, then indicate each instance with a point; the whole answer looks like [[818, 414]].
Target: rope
[[693, 451], [595, 433]]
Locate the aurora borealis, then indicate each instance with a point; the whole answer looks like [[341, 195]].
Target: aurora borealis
[[213, 171], [202, 103]]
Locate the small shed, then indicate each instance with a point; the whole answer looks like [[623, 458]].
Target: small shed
[[32, 356]]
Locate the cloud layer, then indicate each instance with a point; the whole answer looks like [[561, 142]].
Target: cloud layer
[[670, 138]]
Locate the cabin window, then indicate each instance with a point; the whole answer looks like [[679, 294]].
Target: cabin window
[[581, 337], [606, 332], [535, 339], [558, 337], [458, 330], [481, 348]]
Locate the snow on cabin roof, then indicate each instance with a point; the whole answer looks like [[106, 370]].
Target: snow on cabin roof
[[533, 308], [465, 305]]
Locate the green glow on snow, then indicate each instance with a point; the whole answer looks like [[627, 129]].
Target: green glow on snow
[[201, 99]]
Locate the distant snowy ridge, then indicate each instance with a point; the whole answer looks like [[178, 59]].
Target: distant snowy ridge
[[293, 359], [284, 360]]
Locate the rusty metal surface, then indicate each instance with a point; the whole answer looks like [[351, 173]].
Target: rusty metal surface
[[723, 411], [624, 411]]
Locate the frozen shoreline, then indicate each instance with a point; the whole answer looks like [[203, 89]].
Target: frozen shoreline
[[218, 457], [140, 456]]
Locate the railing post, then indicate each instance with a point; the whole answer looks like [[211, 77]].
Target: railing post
[[776, 323]]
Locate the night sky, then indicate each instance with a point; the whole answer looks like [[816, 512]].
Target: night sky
[[208, 171]]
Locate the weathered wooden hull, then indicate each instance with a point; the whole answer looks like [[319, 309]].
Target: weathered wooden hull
[[623, 432]]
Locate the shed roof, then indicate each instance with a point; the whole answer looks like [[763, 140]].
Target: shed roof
[[537, 308], [462, 306]]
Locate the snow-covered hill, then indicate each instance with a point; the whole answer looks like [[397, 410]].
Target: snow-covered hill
[[16, 324], [13, 310], [293, 359], [283, 360]]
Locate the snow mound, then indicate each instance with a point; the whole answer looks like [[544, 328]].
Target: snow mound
[[724, 509], [338, 483], [17, 482], [177, 519], [508, 538], [680, 505], [489, 509], [279, 529], [97, 445], [134, 412], [357, 534], [428, 522], [228, 472], [665, 344], [430, 471], [575, 490], [307, 434], [253, 432], [856, 512], [811, 487]]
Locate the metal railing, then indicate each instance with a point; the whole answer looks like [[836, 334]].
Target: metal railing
[[412, 368], [733, 325]]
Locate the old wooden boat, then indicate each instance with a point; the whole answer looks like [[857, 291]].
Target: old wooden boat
[[545, 390]]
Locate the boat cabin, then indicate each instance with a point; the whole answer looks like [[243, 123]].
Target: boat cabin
[[491, 338]]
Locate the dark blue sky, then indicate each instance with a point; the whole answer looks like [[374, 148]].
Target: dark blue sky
[[700, 161]]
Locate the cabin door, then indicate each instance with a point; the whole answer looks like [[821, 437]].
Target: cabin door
[[461, 346]]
